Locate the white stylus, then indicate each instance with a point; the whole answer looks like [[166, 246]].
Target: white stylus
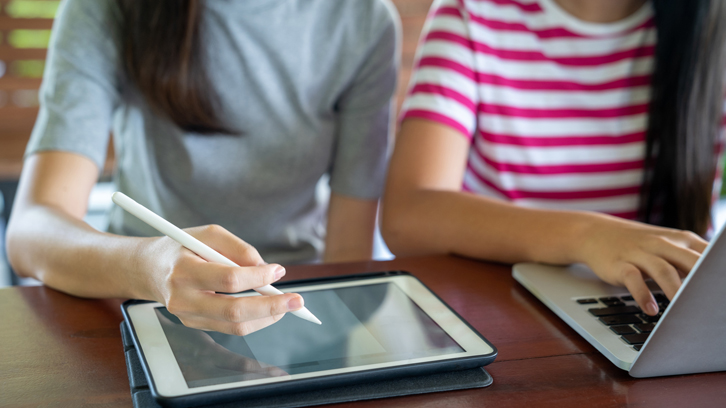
[[193, 244]]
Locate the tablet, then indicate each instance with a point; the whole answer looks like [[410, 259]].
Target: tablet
[[374, 327]]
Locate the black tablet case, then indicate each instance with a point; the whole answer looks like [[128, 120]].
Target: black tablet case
[[455, 380]]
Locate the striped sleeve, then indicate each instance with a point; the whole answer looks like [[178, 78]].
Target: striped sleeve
[[443, 87]]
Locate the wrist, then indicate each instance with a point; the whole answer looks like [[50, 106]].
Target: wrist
[[585, 228], [141, 267], [564, 238]]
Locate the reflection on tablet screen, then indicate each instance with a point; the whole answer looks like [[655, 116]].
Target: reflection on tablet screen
[[361, 325]]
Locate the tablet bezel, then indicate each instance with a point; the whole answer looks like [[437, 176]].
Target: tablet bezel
[[167, 381]]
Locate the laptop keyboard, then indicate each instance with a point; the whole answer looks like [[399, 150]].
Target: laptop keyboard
[[624, 318]]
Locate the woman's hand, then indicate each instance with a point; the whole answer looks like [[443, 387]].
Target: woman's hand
[[624, 253], [187, 284], [47, 239]]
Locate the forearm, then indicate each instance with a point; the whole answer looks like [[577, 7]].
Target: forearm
[[351, 225], [350, 254], [440, 221], [356, 248], [67, 254]]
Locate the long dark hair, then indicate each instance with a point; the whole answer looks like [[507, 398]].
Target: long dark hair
[[163, 55], [686, 112]]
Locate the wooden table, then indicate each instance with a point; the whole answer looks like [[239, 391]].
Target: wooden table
[[58, 351]]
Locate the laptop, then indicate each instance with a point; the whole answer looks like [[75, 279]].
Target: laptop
[[687, 336]]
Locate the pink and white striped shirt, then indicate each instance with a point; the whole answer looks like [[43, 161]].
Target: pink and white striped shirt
[[555, 108]]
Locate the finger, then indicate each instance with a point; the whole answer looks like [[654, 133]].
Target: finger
[[693, 241], [698, 245], [242, 309], [677, 254], [662, 272], [221, 278], [633, 281], [227, 244], [686, 239]]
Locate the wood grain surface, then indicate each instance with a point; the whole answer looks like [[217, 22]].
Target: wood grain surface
[[60, 351]]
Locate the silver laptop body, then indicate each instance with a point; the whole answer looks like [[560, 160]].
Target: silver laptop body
[[690, 337]]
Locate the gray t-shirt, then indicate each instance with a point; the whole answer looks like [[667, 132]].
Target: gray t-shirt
[[308, 82]]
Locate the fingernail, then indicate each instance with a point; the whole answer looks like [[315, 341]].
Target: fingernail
[[279, 272], [651, 308], [295, 303]]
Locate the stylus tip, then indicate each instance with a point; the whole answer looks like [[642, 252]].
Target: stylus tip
[[311, 318], [305, 314]]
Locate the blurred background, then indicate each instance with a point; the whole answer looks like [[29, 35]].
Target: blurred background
[[24, 33]]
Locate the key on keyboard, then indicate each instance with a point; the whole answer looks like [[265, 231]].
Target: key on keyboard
[[649, 319], [639, 338], [620, 319], [645, 327], [624, 329], [618, 310], [612, 301]]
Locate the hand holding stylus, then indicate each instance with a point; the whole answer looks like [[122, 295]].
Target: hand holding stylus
[[221, 312]]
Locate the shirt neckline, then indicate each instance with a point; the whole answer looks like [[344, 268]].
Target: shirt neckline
[[597, 29]]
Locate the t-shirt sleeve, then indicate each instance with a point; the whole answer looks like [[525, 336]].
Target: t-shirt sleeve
[[365, 112], [80, 88], [442, 87]]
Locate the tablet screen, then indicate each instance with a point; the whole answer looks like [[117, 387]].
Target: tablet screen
[[362, 325]]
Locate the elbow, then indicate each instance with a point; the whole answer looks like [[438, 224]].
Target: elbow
[[13, 246], [397, 229], [22, 242], [393, 233]]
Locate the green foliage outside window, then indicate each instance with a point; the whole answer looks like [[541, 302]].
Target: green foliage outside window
[[27, 68], [29, 38], [25, 38], [32, 8]]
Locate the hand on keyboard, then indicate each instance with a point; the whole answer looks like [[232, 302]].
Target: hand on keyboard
[[624, 253]]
